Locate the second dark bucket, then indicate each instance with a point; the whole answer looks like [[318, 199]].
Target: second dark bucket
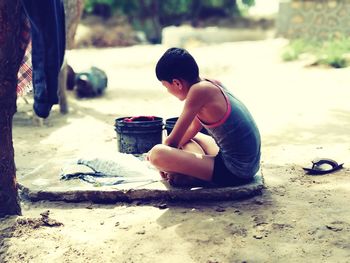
[[170, 123], [139, 135]]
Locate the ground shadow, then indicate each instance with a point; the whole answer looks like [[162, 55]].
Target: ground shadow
[[218, 225]]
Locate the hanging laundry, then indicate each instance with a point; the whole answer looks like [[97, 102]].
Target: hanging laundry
[[24, 76], [47, 21]]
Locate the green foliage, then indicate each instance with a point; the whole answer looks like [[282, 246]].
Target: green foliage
[[243, 5], [295, 49], [166, 7], [175, 7], [89, 4], [150, 16], [331, 52], [248, 2]]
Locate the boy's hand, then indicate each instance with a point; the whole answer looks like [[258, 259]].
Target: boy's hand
[[166, 141]]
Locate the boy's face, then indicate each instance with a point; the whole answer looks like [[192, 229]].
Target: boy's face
[[175, 88]]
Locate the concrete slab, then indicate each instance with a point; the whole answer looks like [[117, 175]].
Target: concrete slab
[[44, 184]]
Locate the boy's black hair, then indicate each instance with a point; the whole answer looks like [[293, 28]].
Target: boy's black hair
[[177, 63]]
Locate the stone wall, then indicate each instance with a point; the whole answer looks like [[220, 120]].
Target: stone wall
[[313, 19]]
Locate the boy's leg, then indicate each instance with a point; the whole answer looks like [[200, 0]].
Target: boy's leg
[[190, 161], [193, 147], [177, 179], [207, 143]]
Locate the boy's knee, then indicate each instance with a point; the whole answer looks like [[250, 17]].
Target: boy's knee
[[156, 154]]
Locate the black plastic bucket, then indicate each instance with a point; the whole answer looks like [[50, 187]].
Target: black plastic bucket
[[170, 123], [138, 136]]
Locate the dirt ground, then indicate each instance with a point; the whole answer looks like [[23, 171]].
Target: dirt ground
[[302, 112]]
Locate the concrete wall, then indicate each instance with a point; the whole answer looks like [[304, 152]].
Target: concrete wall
[[313, 19]]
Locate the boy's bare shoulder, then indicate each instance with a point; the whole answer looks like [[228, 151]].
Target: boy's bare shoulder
[[202, 91], [203, 87]]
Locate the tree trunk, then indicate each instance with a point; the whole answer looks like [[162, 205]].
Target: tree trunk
[[10, 58], [73, 10]]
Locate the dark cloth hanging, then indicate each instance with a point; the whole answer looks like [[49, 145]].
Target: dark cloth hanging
[[47, 20]]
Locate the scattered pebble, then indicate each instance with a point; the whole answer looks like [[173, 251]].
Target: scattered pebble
[[220, 209], [334, 228], [141, 232], [237, 212]]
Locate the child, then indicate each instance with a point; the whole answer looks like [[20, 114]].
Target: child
[[230, 155]]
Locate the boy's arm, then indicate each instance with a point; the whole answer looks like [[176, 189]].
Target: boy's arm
[[197, 97], [191, 132]]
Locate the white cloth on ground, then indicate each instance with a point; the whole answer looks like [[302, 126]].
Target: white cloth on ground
[[121, 168]]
